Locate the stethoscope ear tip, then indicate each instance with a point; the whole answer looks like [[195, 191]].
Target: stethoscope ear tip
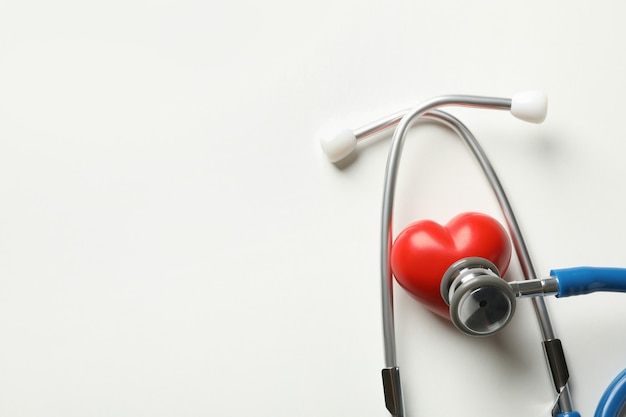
[[339, 146], [530, 106]]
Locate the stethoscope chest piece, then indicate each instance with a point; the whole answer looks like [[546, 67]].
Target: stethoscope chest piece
[[481, 302]]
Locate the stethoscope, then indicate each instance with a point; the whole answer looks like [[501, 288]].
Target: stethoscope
[[471, 289]]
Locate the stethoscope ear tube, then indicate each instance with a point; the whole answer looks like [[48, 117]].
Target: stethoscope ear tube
[[427, 109]]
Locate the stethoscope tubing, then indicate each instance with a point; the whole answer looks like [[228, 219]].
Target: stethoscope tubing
[[614, 398], [588, 279]]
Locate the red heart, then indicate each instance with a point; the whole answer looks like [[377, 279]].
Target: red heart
[[424, 251]]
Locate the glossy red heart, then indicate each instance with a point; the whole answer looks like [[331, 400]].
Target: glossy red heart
[[423, 252]]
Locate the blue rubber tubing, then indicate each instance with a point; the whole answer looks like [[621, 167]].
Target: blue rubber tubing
[[585, 280], [614, 398]]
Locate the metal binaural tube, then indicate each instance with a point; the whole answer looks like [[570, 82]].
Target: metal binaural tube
[[393, 162], [404, 120], [379, 125]]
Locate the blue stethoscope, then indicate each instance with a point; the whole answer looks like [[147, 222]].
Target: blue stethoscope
[[481, 302]]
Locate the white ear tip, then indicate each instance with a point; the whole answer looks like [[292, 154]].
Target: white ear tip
[[339, 146], [530, 106]]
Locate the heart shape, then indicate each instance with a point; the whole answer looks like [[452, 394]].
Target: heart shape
[[423, 252]]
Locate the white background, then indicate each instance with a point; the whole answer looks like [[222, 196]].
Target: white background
[[173, 243]]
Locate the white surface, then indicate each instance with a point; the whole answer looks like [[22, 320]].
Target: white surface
[[174, 243]]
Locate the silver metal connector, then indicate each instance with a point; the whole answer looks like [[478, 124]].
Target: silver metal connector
[[535, 287]]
